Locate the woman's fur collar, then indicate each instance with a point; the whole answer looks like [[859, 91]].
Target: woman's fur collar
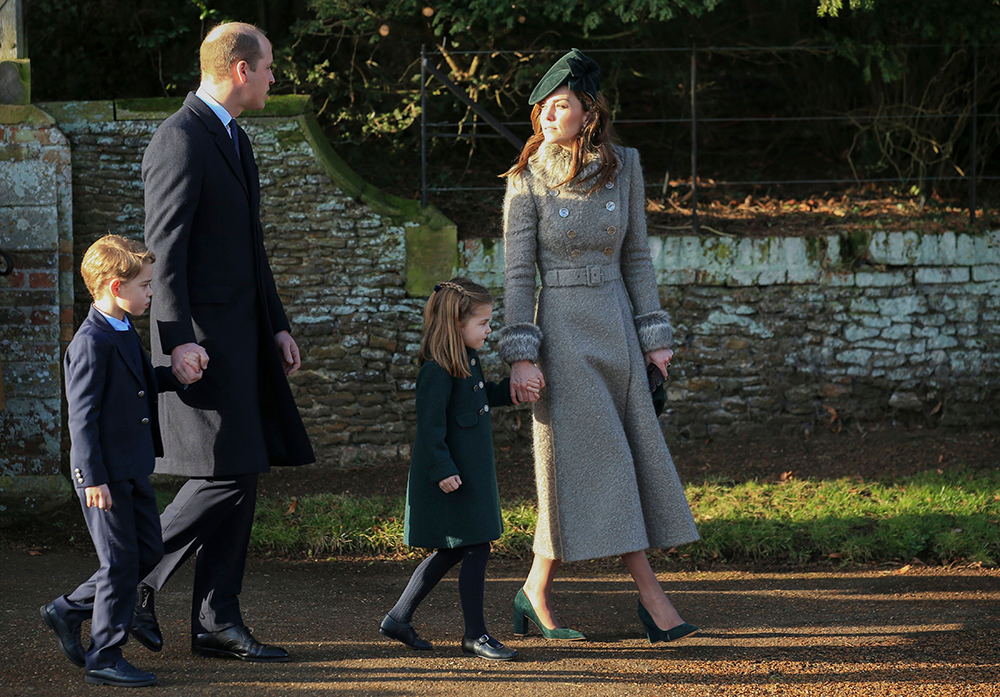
[[553, 164]]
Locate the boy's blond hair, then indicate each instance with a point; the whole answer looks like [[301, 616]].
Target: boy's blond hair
[[451, 303], [113, 257]]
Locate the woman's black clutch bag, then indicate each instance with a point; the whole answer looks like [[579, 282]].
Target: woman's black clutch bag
[[656, 381]]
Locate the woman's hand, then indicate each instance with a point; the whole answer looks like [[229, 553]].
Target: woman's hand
[[525, 382], [661, 357], [450, 484]]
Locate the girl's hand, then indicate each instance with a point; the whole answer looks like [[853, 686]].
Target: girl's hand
[[521, 374], [450, 484], [661, 357], [98, 497]]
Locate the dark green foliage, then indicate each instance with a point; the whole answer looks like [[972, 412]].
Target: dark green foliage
[[359, 59]]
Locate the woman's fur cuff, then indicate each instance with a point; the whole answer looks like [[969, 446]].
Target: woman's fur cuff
[[654, 331], [519, 342]]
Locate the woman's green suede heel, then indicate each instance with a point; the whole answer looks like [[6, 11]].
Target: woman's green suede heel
[[655, 634], [523, 612]]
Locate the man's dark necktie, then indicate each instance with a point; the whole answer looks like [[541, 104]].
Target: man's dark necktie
[[234, 132]]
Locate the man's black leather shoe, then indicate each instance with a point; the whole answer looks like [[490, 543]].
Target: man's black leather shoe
[[487, 647], [403, 632], [145, 628], [122, 674], [69, 639], [236, 642]]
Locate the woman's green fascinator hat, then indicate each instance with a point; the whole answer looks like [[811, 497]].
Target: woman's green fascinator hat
[[576, 70]]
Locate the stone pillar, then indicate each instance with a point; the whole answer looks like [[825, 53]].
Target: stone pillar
[[36, 307], [15, 70]]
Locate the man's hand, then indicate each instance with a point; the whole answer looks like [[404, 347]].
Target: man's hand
[[184, 371], [98, 497], [289, 351]]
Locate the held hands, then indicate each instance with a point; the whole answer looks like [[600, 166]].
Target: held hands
[[450, 484], [98, 497], [526, 381], [662, 358], [289, 351], [188, 361], [193, 359]]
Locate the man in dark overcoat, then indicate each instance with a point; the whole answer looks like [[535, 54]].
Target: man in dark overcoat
[[215, 295]]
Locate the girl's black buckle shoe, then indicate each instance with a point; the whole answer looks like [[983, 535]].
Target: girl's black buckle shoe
[[403, 632], [655, 634], [487, 647]]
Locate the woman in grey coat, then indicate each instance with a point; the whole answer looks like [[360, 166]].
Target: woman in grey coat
[[575, 210]]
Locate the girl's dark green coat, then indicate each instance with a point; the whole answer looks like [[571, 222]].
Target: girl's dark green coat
[[454, 437]]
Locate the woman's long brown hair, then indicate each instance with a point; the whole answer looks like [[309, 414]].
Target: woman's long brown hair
[[594, 138], [451, 303]]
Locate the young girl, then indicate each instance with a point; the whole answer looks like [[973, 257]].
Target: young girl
[[452, 504]]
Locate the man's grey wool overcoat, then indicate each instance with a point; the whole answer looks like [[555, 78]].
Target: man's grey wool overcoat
[[454, 436], [606, 482]]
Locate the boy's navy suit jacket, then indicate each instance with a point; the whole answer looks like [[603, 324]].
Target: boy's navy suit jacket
[[112, 404]]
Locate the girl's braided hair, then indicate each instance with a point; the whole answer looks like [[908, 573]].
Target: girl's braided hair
[[451, 303]]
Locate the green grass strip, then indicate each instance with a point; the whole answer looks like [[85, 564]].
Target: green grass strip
[[934, 517]]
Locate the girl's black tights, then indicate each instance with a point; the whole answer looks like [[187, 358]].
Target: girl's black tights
[[471, 585]]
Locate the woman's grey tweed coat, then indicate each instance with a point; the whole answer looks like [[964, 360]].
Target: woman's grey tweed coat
[[606, 482]]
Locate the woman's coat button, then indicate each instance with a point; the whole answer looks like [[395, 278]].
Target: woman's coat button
[[571, 234], [564, 212], [612, 230], [610, 206], [575, 253]]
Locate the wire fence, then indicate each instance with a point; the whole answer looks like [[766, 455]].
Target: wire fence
[[439, 129]]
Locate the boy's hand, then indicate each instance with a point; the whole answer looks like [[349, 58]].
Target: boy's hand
[[182, 370], [99, 497], [197, 361], [450, 484], [534, 386]]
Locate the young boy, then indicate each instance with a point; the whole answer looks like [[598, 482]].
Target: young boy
[[111, 390]]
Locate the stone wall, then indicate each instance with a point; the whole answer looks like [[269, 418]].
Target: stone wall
[[789, 332], [807, 333], [35, 303], [345, 257]]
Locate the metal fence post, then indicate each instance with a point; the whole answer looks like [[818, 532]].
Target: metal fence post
[[975, 117], [423, 126], [694, 138]]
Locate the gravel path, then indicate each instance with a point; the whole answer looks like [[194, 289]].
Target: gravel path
[[911, 631]]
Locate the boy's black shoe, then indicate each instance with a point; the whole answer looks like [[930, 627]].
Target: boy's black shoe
[[487, 647], [122, 674], [145, 628], [236, 642], [69, 639]]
